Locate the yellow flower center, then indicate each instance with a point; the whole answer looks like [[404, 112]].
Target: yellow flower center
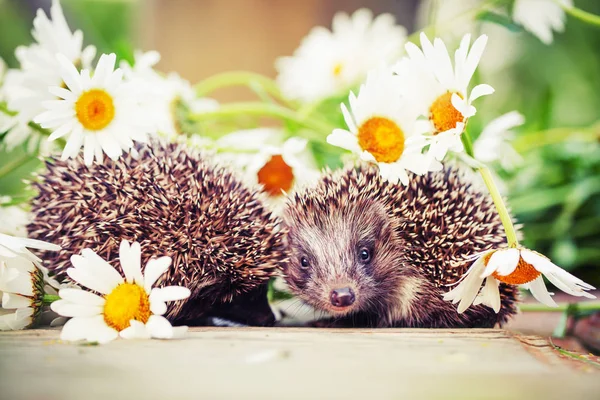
[[337, 69], [382, 138], [276, 176], [95, 109], [126, 302], [442, 113], [524, 272]]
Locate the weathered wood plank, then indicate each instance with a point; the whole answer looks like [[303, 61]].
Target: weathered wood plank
[[214, 363]]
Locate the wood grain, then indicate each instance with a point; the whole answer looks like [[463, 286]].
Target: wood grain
[[290, 363]]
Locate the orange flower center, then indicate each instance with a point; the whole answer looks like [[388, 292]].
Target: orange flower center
[[382, 138], [126, 302], [95, 109], [524, 273], [442, 113], [276, 176]]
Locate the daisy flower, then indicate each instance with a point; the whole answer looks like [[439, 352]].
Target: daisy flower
[[22, 293], [541, 17], [27, 88], [99, 112], [383, 128], [439, 88], [17, 132], [277, 165], [23, 281], [127, 307], [13, 219], [163, 95], [493, 144], [515, 267], [329, 62]]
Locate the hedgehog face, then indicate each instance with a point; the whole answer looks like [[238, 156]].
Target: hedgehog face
[[344, 260]]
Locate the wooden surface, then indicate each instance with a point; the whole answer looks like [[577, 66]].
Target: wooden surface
[[290, 363]]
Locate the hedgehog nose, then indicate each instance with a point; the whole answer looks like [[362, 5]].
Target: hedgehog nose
[[342, 297]]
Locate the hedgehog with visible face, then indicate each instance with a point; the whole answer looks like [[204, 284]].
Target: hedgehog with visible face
[[377, 254]]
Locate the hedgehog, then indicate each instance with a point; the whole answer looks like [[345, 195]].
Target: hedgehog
[[371, 253], [224, 243]]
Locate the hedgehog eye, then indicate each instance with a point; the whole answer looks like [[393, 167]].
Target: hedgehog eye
[[304, 262], [364, 254]]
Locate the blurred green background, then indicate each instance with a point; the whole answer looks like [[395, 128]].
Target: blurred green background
[[555, 193]]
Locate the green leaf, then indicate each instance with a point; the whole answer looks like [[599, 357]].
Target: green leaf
[[16, 166], [561, 329], [500, 19]]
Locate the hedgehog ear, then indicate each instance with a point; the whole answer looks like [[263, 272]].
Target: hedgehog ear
[[373, 213]]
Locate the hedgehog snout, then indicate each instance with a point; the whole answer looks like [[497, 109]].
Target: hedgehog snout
[[342, 297]]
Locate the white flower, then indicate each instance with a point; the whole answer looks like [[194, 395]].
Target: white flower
[[277, 166], [329, 62], [21, 288], [515, 267], [439, 88], [17, 132], [541, 17], [130, 307], [163, 95], [494, 142], [99, 112], [383, 128], [22, 281], [27, 88], [13, 220], [11, 246]]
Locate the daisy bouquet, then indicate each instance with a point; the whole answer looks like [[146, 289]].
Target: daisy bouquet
[[363, 89]]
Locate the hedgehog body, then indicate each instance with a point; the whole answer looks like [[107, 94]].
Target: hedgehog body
[[373, 253], [224, 244]]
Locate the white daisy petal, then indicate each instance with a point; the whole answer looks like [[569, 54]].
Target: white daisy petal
[[503, 262], [170, 293], [474, 57], [99, 332], [470, 286], [491, 292], [154, 269], [79, 296], [85, 278], [348, 118], [136, 330], [131, 262], [159, 327], [68, 309], [12, 301], [481, 90], [157, 307], [344, 139], [539, 291]]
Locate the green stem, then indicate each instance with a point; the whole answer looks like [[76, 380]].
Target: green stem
[[50, 298], [538, 139], [14, 164], [267, 110], [538, 307], [38, 128], [509, 228], [580, 14], [573, 355], [237, 78], [468, 143], [32, 125], [6, 111]]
